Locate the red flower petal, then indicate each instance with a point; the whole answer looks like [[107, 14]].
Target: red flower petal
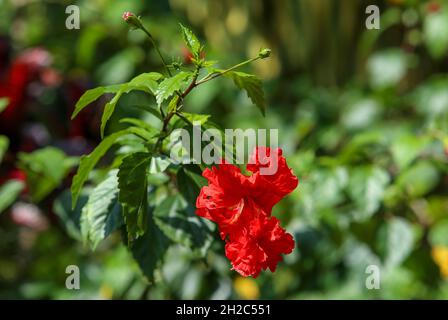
[[280, 181], [241, 206]]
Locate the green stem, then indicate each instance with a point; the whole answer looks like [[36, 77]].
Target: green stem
[[179, 103], [214, 75], [158, 51], [193, 84]]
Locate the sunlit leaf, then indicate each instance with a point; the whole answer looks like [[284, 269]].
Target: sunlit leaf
[[170, 85], [191, 41], [252, 85]]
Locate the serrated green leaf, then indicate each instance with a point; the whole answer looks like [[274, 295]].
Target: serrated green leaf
[[91, 95], [101, 215], [133, 192], [9, 193], [252, 85], [88, 162], [70, 218], [180, 224], [4, 144], [149, 250], [3, 104], [170, 85], [132, 177], [191, 41]]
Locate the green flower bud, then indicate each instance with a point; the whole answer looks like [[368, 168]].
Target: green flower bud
[[264, 53]]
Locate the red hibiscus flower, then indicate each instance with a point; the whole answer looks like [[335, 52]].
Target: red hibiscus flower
[[259, 246], [241, 206]]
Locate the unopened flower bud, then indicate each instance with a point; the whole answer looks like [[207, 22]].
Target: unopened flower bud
[[132, 20], [264, 53]]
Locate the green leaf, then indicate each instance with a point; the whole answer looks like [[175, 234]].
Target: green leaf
[[419, 179], [170, 85], [438, 235], [434, 35], [151, 109], [159, 164], [252, 85], [70, 218], [149, 249], [3, 104], [91, 95], [180, 224], [191, 41], [386, 68], [4, 144], [141, 124], [195, 117], [109, 109], [145, 82], [88, 162], [133, 194], [366, 189], [189, 183], [400, 241], [45, 169], [101, 215], [9, 192], [406, 149]]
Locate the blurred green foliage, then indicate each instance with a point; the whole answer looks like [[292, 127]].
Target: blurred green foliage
[[363, 121]]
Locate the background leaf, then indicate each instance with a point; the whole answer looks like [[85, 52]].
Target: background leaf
[[45, 169], [9, 192], [4, 144], [3, 104]]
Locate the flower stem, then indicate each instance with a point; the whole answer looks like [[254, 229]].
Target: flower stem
[[214, 75], [153, 42]]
